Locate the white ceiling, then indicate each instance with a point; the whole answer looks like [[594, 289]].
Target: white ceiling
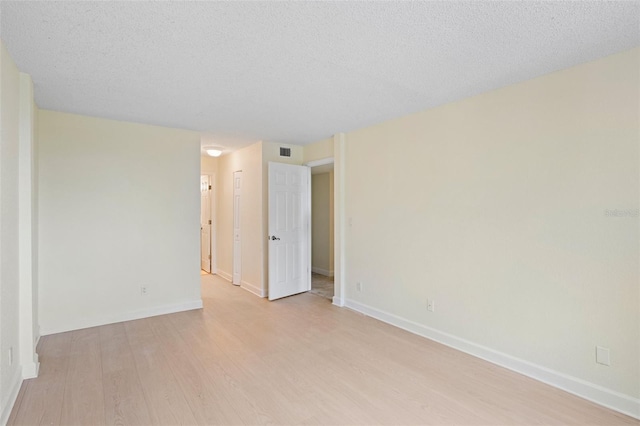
[[295, 72]]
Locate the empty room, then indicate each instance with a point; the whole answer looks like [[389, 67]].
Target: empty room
[[303, 212]]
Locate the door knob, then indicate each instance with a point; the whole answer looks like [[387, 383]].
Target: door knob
[[274, 238]]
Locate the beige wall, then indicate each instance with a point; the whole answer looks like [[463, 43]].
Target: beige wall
[[318, 150], [208, 165], [496, 208], [119, 208], [249, 160], [321, 226]]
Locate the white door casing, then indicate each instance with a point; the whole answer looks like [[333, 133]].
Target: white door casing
[[212, 196], [289, 230], [205, 223], [237, 248]]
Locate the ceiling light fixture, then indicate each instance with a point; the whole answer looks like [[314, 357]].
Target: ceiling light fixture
[[214, 152]]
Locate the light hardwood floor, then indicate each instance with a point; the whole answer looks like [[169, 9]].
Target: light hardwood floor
[[299, 360], [322, 285]]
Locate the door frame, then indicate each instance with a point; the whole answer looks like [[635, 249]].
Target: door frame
[[339, 219], [320, 162], [212, 229], [339, 216], [205, 208], [214, 217], [311, 165]]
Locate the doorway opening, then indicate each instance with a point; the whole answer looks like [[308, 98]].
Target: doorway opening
[[322, 228], [207, 228]]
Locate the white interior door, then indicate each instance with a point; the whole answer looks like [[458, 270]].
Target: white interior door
[[237, 252], [289, 230], [205, 223]]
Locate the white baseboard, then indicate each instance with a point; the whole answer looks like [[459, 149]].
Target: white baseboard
[[600, 395], [30, 370], [12, 395], [125, 316], [322, 271], [227, 276], [253, 289], [338, 301]]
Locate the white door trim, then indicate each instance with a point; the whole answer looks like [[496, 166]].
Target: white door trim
[[320, 162], [339, 263], [214, 257], [206, 254]]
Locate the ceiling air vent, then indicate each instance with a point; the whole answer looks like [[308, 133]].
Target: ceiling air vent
[[285, 152]]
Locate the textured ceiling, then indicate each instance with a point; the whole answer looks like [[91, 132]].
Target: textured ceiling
[[295, 72]]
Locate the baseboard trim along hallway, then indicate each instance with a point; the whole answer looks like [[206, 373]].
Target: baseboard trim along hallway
[[253, 289]]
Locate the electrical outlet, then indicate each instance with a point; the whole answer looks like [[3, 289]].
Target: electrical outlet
[[144, 290], [602, 356], [11, 356], [359, 286], [431, 305]]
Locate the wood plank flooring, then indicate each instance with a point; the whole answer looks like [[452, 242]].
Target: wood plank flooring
[[300, 360], [322, 285]]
